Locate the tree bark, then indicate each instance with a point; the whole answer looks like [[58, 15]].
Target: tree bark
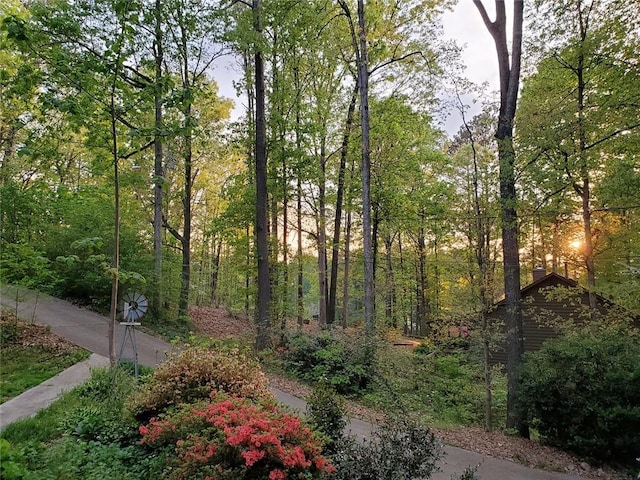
[[347, 264], [158, 168], [363, 82], [509, 71], [322, 238], [262, 196], [333, 284], [390, 284]]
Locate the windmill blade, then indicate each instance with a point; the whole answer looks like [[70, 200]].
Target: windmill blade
[[137, 306]]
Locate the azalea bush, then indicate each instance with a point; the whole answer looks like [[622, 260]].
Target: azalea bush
[[233, 438], [194, 374]]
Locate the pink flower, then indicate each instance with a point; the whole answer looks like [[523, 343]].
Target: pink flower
[[277, 475]]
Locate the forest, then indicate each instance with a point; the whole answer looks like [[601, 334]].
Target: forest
[[330, 191]]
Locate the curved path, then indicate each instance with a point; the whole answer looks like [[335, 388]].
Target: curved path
[[89, 330]]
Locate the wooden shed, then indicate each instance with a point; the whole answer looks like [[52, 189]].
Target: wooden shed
[[540, 308]]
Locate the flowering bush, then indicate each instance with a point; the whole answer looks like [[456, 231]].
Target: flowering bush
[[235, 439], [193, 375]]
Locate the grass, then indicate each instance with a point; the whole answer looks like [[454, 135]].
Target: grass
[[31, 354], [23, 367]]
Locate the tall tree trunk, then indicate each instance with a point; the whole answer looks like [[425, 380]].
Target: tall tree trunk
[[277, 146], [158, 168], [111, 331], [335, 247], [262, 195], [363, 81], [183, 305], [285, 248], [347, 260], [404, 294], [375, 226], [584, 190], [116, 235], [390, 284], [251, 121], [247, 272], [509, 71], [300, 262], [422, 298], [215, 272], [299, 259], [322, 238]]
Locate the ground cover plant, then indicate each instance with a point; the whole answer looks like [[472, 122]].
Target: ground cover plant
[[31, 354], [86, 434]]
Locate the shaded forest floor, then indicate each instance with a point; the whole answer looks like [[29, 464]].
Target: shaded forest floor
[[220, 324]]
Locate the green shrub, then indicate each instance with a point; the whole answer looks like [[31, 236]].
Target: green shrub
[[22, 265], [345, 362], [193, 375], [327, 414], [450, 384], [399, 449], [582, 393], [73, 458]]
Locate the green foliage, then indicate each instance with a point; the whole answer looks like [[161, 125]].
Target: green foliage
[[11, 466], [84, 275], [70, 457], [469, 473], [450, 383], [346, 362], [447, 388], [234, 438], [195, 374], [582, 393], [399, 449], [23, 265], [85, 434], [326, 412]]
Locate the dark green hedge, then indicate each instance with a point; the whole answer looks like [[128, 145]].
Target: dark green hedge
[[582, 393]]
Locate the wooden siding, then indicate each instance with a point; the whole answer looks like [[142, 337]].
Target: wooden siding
[[538, 314]]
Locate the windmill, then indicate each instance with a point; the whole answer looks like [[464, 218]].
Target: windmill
[[134, 306]]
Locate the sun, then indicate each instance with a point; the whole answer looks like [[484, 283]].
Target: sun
[[576, 244]]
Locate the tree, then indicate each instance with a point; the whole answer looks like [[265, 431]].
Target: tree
[[262, 194], [474, 141], [509, 72], [579, 109], [193, 57]]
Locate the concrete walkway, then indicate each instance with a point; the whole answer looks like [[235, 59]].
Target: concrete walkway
[[89, 330], [30, 402]]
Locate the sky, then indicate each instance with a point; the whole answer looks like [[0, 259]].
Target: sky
[[463, 24]]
